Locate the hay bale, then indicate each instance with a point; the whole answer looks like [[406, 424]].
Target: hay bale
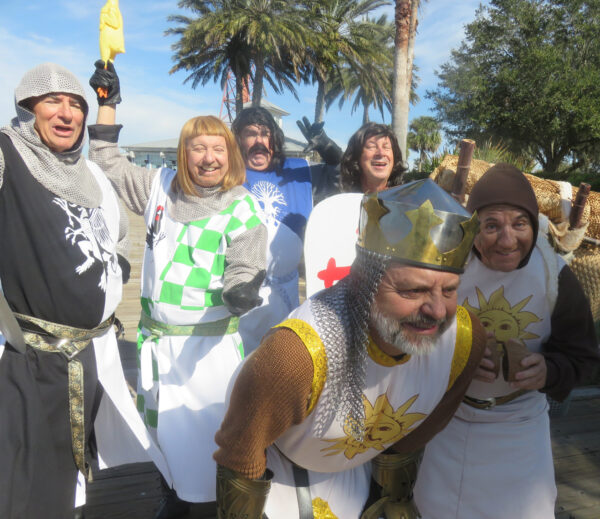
[[546, 191], [586, 259]]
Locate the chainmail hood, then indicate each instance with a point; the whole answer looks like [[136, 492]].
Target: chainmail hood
[[342, 316], [65, 174]]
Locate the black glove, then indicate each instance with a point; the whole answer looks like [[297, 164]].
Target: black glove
[[105, 83], [318, 140], [244, 297]]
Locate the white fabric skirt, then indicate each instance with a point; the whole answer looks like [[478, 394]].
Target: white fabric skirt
[[340, 495], [488, 470], [193, 376]]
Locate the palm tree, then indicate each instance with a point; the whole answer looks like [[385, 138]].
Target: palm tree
[[370, 84], [405, 18], [237, 35], [342, 37], [424, 137]]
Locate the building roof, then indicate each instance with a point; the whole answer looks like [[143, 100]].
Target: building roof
[[170, 145], [291, 146], [164, 145], [274, 109]]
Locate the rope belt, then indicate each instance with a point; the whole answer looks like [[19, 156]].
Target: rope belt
[[68, 341], [489, 403], [157, 329]]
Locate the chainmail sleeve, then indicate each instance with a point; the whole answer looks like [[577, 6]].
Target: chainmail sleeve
[[245, 257], [132, 183]]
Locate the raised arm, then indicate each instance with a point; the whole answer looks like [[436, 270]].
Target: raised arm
[[132, 183]]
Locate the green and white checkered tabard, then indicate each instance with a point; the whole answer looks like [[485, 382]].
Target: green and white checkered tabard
[[193, 278]]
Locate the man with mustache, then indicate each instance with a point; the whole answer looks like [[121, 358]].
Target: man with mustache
[[286, 188], [354, 383]]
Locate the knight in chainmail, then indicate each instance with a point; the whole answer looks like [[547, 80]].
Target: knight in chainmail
[[354, 383], [61, 270], [204, 262]]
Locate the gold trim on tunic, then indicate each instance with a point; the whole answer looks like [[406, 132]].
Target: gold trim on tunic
[[316, 349], [382, 358], [464, 342]]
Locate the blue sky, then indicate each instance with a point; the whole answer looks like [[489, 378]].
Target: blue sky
[[156, 104]]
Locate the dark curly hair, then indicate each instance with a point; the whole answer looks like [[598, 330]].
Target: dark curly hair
[[350, 171], [261, 117]]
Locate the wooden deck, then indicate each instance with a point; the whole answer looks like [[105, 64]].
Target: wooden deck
[[134, 491]]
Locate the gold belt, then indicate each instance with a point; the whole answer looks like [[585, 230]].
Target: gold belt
[[69, 341], [489, 403]]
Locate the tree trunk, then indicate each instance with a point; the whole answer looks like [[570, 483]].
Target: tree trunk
[[406, 27], [320, 101], [259, 74], [239, 94], [365, 114]]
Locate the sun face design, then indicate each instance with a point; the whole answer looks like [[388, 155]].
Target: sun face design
[[499, 317], [383, 427]]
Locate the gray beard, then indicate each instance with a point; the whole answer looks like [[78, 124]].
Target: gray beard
[[391, 331]]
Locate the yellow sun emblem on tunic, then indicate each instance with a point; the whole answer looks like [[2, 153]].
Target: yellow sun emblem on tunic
[[507, 322], [383, 427], [321, 509]]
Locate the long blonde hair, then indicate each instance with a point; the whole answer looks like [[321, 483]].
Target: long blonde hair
[[209, 125]]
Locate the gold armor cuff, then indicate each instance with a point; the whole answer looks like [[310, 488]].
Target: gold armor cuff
[[238, 496], [396, 474]]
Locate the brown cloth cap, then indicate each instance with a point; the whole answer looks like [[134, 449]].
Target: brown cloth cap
[[506, 184]]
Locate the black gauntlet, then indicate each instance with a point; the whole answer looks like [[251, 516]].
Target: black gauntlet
[[318, 140], [105, 83], [244, 297]]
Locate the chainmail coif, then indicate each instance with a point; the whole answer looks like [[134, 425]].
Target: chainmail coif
[[65, 174], [342, 316]]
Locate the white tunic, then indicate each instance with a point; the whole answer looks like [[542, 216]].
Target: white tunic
[[399, 395], [120, 433], [496, 463], [183, 379]]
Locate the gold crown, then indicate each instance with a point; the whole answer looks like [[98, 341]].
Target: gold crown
[[436, 234]]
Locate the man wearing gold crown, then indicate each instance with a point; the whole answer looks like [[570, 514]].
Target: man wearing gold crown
[[494, 459], [354, 383]]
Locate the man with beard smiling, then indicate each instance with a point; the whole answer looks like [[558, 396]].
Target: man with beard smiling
[[285, 188], [361, 376]]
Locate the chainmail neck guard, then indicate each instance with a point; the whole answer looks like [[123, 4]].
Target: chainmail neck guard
[[342, 316], [64, 174]]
